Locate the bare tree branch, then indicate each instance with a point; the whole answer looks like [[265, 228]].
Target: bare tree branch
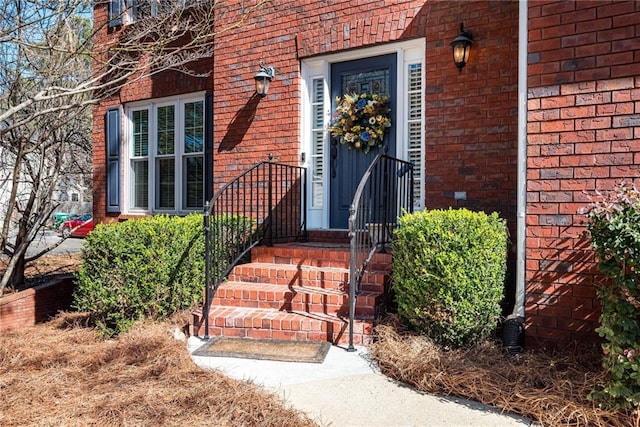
[[54, 65]]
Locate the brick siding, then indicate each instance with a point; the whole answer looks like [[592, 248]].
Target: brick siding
[[583, 130], [472, 115], [34, 305], [583, 120], [246, 128]]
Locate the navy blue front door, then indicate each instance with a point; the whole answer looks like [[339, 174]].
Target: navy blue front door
[[370, 75]]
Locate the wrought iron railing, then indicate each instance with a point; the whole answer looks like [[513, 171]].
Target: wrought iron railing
[[385, 192], [265, 204]]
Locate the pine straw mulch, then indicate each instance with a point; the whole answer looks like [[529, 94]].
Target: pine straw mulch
[[550, 389], [60, 373]]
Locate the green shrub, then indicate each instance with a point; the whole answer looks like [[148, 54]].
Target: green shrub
[[148, 267], [614, 227], [449, 268]]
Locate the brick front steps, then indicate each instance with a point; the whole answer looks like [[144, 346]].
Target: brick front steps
[[296, 291]]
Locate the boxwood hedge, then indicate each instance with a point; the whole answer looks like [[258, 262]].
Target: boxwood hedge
[[142, 268], [449, 269]]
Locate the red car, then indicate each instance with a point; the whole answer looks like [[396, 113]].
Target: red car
[[77, 227]]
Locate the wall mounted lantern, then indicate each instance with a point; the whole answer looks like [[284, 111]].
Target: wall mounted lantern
[[263, 79], [461, 46]]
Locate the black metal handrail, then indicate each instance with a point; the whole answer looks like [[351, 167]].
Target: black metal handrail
[[266, 203], [385, 192]]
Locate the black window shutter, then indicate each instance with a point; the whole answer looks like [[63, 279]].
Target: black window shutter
[[116, 10], [113, 142]]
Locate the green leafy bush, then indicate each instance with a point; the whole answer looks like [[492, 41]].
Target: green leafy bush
[[614, 227], [449, 268], [148, 267]]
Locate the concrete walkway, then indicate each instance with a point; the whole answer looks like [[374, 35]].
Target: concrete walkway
[[348, 390]]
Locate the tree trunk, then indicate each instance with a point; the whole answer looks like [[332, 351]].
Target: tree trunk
[[14, 274], [11, 203]]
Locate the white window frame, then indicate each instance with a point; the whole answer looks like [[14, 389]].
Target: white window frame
[[155, 7], [131, 8], [179, 154], [140, 158], [407, 53]]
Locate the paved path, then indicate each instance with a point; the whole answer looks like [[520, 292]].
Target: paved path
[[347, 390]]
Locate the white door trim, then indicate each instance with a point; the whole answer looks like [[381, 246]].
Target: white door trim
[[318, 69]]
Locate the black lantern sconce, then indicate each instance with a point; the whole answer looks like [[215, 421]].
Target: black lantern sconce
[[263, 79], [461, 46]]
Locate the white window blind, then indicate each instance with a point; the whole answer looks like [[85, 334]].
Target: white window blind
[[414, 125], [317, 142]]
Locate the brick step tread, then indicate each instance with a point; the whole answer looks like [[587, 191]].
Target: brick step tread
[[227, 311], [321, 255], [288, 274], [267, 264], [270, 323], [252, 290], [272, 287], [295, 267], [299, 298]]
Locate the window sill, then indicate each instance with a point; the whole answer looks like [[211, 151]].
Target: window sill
[[138, 215], [126, 216]]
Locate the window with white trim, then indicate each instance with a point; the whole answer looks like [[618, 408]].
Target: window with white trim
[[140, 158], [165, 144], [141, 9], [192, 159]]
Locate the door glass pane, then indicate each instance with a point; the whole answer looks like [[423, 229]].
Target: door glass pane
[[193, 182], [376, 81]]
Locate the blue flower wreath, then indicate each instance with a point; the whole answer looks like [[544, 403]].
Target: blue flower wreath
[[361, 120]]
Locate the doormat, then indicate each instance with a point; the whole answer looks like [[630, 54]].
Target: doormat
[[264, 349]]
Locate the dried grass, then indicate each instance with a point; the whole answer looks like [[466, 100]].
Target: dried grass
[[550, 389], [62, 373]]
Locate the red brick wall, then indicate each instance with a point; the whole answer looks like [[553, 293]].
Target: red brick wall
[[165, 84], [583, 120], [246, 128], [99, 150], [31, 306], [583, 135], [472, 115]]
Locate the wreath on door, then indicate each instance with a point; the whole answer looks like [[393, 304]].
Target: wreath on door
[[361, 120]]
